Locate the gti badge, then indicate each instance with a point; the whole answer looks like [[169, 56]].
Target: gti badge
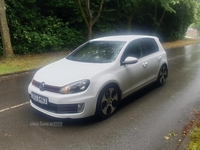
[[41, 86]]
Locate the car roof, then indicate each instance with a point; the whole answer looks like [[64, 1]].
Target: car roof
[[123, 38]]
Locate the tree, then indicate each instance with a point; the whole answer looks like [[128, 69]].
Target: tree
[[88, 14], [175, 25], [166, 6], [5, 34], [196, 23], [127, 9], [38, 26]]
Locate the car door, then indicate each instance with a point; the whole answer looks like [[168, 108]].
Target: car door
[[151, 57], [132, 75]]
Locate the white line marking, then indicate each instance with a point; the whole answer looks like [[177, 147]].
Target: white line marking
[[13, 107]]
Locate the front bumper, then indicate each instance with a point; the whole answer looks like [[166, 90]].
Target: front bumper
[[89, 110], [64, 106]]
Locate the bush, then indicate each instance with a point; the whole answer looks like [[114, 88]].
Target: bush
[[33, 33], [51, 35]]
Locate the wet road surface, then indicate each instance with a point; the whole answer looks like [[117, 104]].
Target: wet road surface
[[144, 121]]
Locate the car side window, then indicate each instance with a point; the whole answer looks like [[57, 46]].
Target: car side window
[[149, 46], [133, 50]]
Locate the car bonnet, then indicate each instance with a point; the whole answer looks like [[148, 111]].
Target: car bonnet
[[64, 72]]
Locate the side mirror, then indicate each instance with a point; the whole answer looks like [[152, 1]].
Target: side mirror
[[130, 60]]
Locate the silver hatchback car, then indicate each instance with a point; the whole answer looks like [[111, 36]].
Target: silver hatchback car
[[97, 75]]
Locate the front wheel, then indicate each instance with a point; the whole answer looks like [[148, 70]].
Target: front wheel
[[162, 76], [108, 101]]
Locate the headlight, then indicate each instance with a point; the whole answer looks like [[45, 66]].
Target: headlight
[[75, 87]]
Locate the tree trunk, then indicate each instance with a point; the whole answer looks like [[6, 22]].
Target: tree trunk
[[159, 22], [89, 32], [5, 34], [89, 19], [129, 22]]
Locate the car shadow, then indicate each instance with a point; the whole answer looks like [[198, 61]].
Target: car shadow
[[65, 122], [137, 95]]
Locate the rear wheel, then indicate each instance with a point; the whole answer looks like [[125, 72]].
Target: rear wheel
[[162, 76], [108, 101]]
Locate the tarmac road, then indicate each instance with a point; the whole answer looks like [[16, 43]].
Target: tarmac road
[[151, 119]]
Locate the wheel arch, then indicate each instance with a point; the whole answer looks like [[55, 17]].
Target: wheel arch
[[99, 113], [113, 83], [165, 64], [161, 78]]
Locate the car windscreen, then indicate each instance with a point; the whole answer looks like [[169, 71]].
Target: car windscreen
[[97, 51]]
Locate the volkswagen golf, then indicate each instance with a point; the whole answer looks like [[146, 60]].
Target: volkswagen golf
[[94, 77]]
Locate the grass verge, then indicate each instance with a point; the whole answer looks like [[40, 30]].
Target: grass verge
[[179, 43], [195, 138], [28, 62]]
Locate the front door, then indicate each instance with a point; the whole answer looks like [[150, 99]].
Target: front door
[[133, 76]]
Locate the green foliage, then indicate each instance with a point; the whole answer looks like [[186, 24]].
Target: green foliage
[[195, 139], [196, 23], [52, 35], [32, 32], [38, 26], [178, 24]]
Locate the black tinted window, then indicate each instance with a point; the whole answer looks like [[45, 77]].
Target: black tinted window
[[149, 46], [133, 50]]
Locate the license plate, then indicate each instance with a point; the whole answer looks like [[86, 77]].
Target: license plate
[[38, 98]]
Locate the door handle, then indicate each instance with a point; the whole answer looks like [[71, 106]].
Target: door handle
[[159, 58], [144, 64]]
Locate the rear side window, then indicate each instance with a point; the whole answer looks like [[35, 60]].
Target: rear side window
[[148, 46]]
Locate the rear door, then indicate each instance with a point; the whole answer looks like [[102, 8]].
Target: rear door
[[151, 57]]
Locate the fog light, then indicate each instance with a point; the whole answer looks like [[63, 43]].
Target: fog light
[[80, 107]]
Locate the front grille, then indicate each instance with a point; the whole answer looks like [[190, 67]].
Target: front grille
[[46, 87], [55, 108], [68, 108]]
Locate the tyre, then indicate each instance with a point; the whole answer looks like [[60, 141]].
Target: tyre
[[108, 101], [162, 76]]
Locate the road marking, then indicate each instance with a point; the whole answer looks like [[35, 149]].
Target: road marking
[[16, 106]]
